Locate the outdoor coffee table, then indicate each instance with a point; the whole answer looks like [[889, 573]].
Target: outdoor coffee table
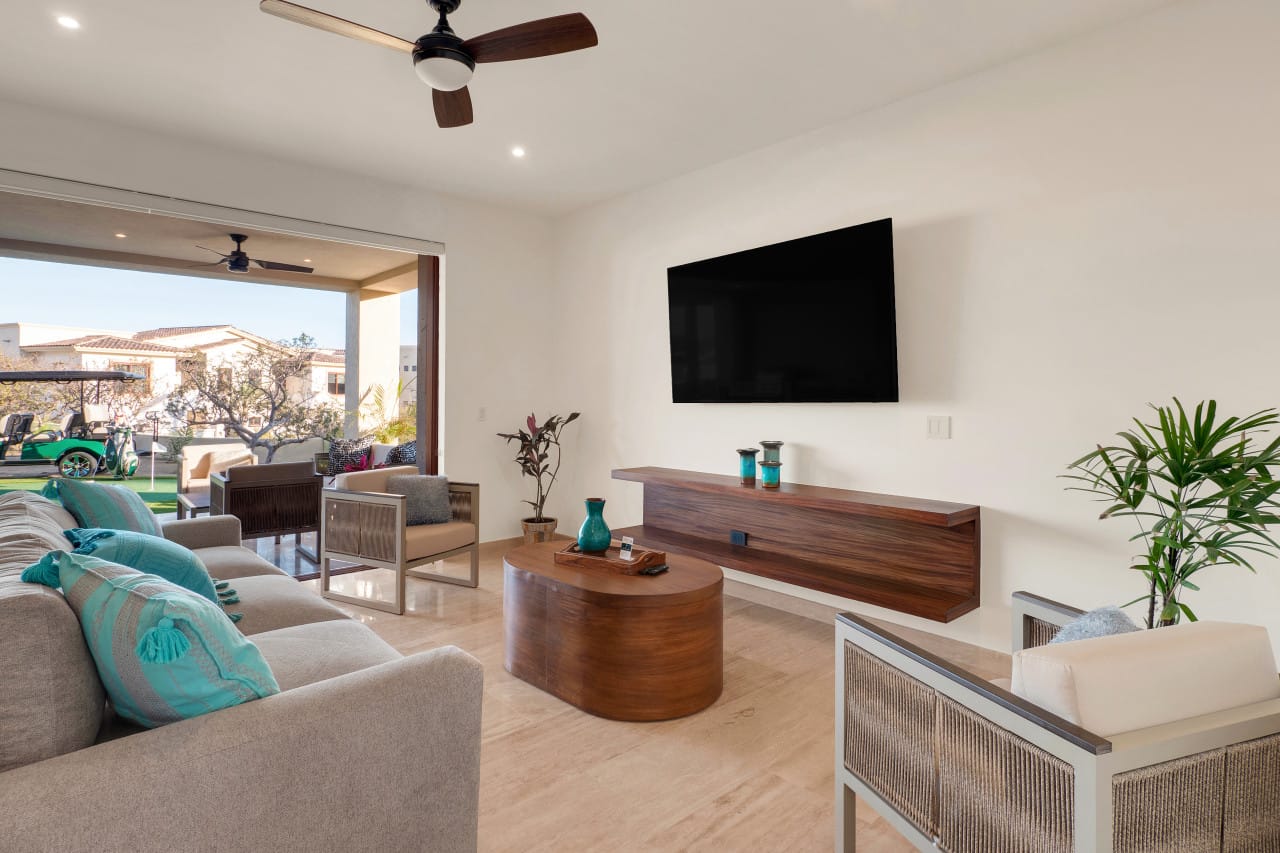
[[193, 503], [625, 647]]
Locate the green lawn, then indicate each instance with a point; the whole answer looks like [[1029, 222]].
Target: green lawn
[[163, 499]]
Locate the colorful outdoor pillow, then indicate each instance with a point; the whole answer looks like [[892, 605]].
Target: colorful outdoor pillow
[[403, 454], [163, 653], [349, 454], [99, 505], [146, 553]]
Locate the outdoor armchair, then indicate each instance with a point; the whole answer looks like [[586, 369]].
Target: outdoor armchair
[[275, 499], [958, 763], [362, 523], [198, 461]]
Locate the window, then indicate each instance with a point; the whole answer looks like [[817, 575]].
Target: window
[[142, 368], [224, 375], [337, 383]]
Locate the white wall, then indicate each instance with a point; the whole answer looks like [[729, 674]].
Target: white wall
[[498, 262], [1076, 234]]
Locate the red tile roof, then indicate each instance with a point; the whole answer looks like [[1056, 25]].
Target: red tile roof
[[113, 343], [173, 331]]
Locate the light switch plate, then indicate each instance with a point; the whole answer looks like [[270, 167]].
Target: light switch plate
[[939, 426]]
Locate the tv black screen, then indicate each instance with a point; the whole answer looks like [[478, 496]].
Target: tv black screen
[[806, 321]]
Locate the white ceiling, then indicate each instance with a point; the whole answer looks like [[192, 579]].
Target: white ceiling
[[672, 87]]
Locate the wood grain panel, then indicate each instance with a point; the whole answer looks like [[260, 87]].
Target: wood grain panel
[[916, 556], [898, 550]]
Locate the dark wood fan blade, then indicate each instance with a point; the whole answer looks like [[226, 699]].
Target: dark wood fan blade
[[329, 23], [546, 37], [453, 109], [222, 255], [272, 265]]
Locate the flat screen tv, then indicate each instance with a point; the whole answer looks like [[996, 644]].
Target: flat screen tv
[[806, 321]]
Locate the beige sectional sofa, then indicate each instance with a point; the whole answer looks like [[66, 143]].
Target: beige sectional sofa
[[363, 749]]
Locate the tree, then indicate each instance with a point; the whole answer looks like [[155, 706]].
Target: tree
[[264, 397], [24, 397]]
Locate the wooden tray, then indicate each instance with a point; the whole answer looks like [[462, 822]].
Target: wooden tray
[[641, 558]]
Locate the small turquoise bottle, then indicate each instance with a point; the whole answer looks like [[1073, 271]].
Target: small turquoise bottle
[[747, 466], [771, 474], [593, 535]]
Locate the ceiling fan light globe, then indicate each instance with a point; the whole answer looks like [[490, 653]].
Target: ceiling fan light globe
[[446, 73]]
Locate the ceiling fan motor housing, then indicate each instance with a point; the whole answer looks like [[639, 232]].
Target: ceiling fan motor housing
[[441, 61]]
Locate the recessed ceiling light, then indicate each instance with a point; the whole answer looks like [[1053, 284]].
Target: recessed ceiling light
[[306, 260], [68, 22], [121, 234], [517, 152]]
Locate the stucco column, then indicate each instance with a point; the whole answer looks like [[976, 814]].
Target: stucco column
[[373, 353]]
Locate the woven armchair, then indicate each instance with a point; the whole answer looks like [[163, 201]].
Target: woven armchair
[[362, 523], [957, 763]]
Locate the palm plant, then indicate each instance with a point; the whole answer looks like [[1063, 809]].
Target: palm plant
[[534, 456], [1201, 491]]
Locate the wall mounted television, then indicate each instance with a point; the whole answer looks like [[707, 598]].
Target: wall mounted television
[[810, 320]]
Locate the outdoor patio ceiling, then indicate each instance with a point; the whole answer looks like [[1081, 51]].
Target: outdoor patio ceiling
[[46, 229]]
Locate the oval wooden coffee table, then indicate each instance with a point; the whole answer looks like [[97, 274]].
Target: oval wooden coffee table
[[625, 647]]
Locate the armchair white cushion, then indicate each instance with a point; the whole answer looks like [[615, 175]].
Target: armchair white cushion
[[198, 461], [1126, 682]]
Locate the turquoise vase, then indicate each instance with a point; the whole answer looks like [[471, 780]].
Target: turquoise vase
[[593, 535]]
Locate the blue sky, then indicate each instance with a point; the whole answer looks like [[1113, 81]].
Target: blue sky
[[69, 295]]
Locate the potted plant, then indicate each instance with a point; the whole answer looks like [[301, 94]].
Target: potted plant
[[1201, 492], [534, 459]]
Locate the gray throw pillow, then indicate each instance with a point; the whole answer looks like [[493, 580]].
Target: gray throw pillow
[[428, 497], [1102, 622]]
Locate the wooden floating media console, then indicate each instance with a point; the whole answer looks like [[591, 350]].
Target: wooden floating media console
[[916, 556]]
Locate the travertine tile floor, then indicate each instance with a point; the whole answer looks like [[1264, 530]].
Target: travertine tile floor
[[751, 773]]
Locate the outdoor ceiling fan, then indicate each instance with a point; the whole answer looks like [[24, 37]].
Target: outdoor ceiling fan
[[238, 260], [443, 60]]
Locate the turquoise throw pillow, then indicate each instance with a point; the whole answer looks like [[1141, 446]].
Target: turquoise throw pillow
[[164, 653], [100, 505], [146, 553]]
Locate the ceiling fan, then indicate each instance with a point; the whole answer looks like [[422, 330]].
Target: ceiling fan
[[238, 260], [443, 60]]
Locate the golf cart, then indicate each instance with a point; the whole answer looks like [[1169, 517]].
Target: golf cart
[[78, 447]]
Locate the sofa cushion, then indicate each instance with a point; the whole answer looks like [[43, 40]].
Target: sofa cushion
[[1125, 682], [51, 700], [230, 562], [164, 653], [305, 654], [29, 529], [101, 505], [426, 497], [428, 539], [150, 554], [41, 508], [269, 602]]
